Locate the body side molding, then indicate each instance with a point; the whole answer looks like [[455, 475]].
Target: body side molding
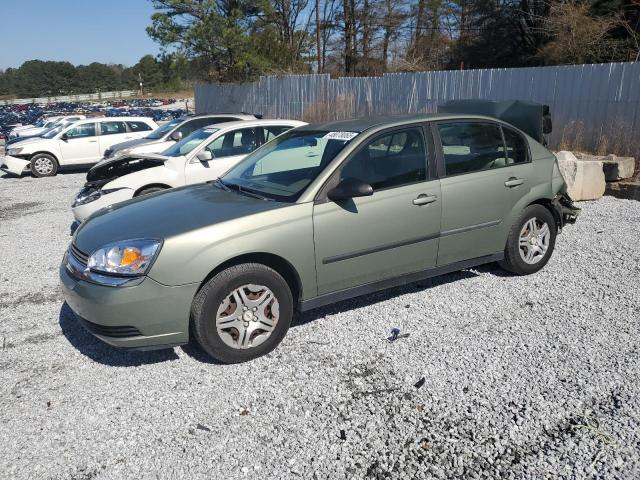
[[352, 292]]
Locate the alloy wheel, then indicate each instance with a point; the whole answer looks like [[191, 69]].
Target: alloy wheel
[[247, 316], [534, 239], [42, 165]]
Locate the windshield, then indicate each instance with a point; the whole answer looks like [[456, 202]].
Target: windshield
[[188, 143], [39, 123], [158, 133], [285, 166], [52, 132]]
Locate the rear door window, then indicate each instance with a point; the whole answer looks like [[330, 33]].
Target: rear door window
[[273, 131], [197, 123], [112, 128], [138, 126], [471, 147]]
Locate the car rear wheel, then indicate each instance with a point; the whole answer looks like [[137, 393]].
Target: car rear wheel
[[242, 313], [44, 165], [531, 241]]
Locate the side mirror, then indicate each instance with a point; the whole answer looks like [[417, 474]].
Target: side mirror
[[204, 156], [64, 137], [350, 188], [176, 136]]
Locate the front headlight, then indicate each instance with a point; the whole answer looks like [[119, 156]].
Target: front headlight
[[14, 151], [126, 258], [121, 153], [85, 197]]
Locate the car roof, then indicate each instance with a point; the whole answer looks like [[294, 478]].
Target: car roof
[[255, 123], [241, 115], [113, 119], [361, 124]]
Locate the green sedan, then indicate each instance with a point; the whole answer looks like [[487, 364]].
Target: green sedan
[[322, 213]]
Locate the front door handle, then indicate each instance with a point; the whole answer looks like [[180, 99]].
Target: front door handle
[[513, 182], [424, 199]]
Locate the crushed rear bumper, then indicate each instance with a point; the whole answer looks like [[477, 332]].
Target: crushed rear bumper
[[565, 210]]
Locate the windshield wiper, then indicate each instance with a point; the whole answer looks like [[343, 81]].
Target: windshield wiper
[[243, 191]]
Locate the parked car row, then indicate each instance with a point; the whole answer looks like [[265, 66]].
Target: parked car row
[[313, 214], [17, 116]]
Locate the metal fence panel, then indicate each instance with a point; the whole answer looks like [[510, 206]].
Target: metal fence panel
[[599, 104], [89, 97]]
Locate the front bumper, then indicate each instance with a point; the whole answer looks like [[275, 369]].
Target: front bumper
[[82, 212], [145, 316], [14, 165]]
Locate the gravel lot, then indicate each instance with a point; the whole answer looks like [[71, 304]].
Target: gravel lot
[[532, 377]]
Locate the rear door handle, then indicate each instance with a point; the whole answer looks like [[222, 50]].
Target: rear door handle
[[513, 182], [424, 199]]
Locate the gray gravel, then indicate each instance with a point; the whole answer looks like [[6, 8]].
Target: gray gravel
[[532, 377]]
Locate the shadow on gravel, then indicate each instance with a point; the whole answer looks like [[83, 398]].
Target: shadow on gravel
[[62, 171], [384, 295], [100, 352]]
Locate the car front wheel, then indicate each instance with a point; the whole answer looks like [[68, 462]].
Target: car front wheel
[[44, 165], [242, 313], [531, 241]]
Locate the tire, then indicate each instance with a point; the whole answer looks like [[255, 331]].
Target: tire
[[534, 253], [230, 335], [44, 165], [148, 190]]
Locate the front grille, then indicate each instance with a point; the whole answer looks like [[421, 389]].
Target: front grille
[[119, 331], [79, 255]]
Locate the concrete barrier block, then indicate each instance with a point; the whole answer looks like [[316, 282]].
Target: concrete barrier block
[[615, 168], [585, 179]]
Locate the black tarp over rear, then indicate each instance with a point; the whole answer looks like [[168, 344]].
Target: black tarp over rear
[[534, 119]]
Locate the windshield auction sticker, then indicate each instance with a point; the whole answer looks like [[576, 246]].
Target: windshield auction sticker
[[340, 136]]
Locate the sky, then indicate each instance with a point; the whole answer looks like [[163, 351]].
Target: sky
[[78, 31]]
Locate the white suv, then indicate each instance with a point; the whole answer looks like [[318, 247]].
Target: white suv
[[79, 143]]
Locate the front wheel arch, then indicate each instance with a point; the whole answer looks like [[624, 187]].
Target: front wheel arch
[[276, 262], [151, 185], [44, 152]]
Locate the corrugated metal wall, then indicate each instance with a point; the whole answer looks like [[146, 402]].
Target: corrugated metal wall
[[590, 104], [72, 98]]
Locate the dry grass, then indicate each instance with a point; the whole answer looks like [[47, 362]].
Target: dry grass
[[612, 137]]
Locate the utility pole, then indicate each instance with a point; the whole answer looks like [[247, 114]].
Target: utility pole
[[318, 47]]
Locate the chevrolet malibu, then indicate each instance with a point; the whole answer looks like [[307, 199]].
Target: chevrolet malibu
[[320, 214]]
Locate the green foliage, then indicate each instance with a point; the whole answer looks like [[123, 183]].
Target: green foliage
[[36, 78], [230, 40]]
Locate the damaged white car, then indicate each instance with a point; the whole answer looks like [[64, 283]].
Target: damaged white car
[[79, 143], [201, 156]]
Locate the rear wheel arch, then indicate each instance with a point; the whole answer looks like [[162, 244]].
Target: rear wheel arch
[[276, 262], [548, 204]]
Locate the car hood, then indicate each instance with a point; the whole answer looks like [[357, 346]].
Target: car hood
[[111, 168], [133, 143], [167, 214], [26, 142]]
